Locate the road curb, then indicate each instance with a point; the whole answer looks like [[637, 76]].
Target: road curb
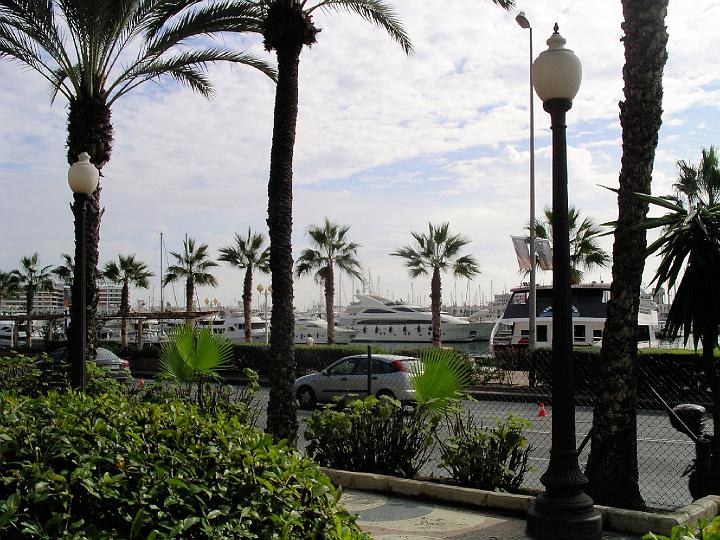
[[617, 519]]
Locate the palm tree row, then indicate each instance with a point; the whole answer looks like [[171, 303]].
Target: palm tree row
[[85, 70]]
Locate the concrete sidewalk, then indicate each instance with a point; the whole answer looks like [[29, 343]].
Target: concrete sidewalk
[[389, 517]]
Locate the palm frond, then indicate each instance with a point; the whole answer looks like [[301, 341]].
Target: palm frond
[[376, 12], [442, 380]]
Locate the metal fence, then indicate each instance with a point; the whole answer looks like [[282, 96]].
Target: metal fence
[[513, 384]]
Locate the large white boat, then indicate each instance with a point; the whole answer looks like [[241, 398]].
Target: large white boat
[[589, 311], [316, 328], [377, 319]]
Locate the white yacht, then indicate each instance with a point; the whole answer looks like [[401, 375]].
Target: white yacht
[[589, 311], [316, 328], [6, 334], [377, 319], [232, 325]]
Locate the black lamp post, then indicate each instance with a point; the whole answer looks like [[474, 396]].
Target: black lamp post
[[563, 511], [83, 178]]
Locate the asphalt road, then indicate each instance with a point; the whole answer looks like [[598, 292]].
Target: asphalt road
[[663, 453]]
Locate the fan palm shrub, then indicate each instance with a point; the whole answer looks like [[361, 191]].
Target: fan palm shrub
[[435, 252], [195, 356], [331, 249], [249, 253], [93, 52], [127, 271]]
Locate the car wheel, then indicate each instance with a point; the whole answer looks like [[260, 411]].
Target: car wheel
[[306, 397], [387, 393]]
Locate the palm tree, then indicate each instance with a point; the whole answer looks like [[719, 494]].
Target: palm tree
[[612, 467], [32, 279], [331, 249], [435, 252], [247, 254], [127, 271], [585, 252], [9, 286], [66, 271], [692, 233], [701, 184], [113, 47], [287, 27], [192, 264]]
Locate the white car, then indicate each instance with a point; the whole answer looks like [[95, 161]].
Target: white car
[[390, 376]]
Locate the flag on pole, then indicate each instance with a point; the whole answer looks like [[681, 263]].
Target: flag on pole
[[544, 253], [521, 251]]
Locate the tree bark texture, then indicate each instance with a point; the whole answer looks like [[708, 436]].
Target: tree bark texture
[[329, 297], [435, 301], [189, 292], [89, 130], [124, 314], [612, 467], [281, 413], [247, 304]]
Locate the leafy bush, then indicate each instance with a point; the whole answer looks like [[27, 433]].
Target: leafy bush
[[486, 458], [81, 467], [371, 435], [702, 531], [236, 401]]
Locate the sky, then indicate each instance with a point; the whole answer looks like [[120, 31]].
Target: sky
[[386, 143]]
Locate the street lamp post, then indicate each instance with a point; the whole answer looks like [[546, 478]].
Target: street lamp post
[[83, 178], [563, 511], [265, 290], [522, 20]]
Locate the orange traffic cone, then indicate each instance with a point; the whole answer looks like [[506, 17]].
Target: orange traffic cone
[[541, 410]]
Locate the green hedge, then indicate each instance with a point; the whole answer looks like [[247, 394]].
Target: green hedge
[[255, 356], [77, 467]]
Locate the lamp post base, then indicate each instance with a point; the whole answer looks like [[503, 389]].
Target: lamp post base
[[564, 518]]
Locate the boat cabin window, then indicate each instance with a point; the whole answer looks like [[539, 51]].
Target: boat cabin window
[[597, 335], [519, 298], [377, 310], [579, 332], [605, 297], [541, 333], [404, 309]]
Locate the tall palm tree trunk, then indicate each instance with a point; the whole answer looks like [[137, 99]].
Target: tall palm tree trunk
[[612, 467], [189, 292], [281, 413], [329, 303], [247, 304], [29, 294], [124, 314], [89, 130], [435, 301]]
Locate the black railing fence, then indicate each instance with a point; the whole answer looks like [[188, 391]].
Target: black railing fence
[[512, 382], [515, 384]]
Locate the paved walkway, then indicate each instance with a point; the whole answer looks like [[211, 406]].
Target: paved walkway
[[388, 517]]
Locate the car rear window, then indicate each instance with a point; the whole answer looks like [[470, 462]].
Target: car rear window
[[412, 365]]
